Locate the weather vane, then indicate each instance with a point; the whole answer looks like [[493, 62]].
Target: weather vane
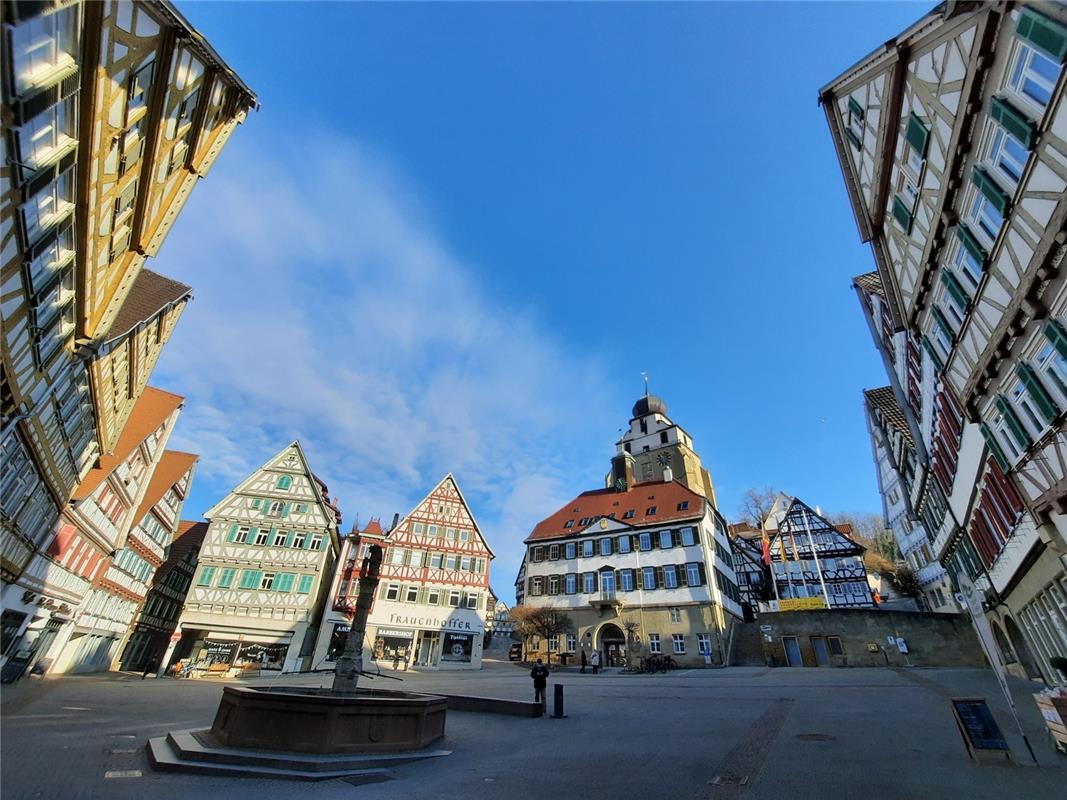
[[645, 376]]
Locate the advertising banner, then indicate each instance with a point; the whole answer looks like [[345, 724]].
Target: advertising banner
[[802, 604], [457, 647]]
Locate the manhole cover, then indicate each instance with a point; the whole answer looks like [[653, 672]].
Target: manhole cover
[[815, 737]]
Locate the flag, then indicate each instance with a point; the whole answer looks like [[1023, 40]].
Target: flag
[[796, 553], [766, 550], [781, 541]]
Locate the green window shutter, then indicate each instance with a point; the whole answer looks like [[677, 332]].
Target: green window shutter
[[994, 447], [1046, 35], [304, 587], [902, 214], [207, 576], [284, 583], [918, 135], [1056, 334], [255, 503], [855, 108], [1037, 390], [381, 594], [993, 193], [963, 233], [1018, 432], [955, 289], [852, 137], [942, 323], [233, 533], [289, 539], [1013, 121], [934, 355], [285, 509]]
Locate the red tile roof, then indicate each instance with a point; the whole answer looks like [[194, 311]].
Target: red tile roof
[[666, 497], [152, 408], [170, 469], [150, 294], [374, 527]]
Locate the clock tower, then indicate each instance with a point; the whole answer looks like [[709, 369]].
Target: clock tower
[[654, 449]]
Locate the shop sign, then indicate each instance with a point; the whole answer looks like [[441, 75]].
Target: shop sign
[[395, 634], [452, 623], [802, 604], [457, 647]]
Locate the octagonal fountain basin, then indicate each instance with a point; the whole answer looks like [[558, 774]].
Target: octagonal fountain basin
[[307, 720]]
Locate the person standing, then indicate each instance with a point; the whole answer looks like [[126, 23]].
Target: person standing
[[540, 678], [150, 666], [595, 661], [585, 662]]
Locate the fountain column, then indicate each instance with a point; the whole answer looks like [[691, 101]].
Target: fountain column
[[350, 664]]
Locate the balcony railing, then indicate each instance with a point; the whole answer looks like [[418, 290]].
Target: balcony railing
[[15, 549]]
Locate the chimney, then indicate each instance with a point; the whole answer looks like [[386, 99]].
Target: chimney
[[622, 472], [396, 521]]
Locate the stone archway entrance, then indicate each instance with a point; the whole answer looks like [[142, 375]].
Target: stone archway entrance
[[612, 645], [1022, 650]]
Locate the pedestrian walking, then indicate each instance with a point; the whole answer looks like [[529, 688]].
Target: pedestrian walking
[[540, 678], [595, 661], [150, 666], [585, 662]]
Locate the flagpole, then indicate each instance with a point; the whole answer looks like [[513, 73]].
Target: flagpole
[[770, 557], [815, 554]]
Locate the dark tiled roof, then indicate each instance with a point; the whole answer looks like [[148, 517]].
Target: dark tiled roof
[[884, 401], [666, 497], [190, 534], [150, 294], [870, 283]]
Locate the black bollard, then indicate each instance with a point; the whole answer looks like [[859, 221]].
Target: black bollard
[[557, 710]]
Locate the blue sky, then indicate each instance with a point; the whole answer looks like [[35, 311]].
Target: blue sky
[[455, 235]]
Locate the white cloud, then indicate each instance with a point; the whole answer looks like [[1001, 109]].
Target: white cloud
[[328, 309]]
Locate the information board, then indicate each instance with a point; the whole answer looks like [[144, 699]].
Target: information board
[[980, 731]]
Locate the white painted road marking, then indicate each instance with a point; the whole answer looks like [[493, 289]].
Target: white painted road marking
[[123, 773]]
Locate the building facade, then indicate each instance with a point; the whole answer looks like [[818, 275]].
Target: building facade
[[641, 568], [895, 462], [157, 619], [264, 570], [150, 540], [430, 610], [952, 141], [111, 113]]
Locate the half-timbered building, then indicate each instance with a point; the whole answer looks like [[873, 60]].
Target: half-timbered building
[[433, 597], [112, 110], [157, 619], [641, 568], [264, 570], [952, 140]]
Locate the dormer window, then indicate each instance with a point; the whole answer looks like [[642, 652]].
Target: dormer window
[[650, 511], [683, 506], [629, 514], [569, 523]]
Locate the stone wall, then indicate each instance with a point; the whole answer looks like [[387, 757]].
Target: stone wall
[[932, 640]]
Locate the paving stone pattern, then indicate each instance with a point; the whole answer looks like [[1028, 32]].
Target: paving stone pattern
[[796, 733]]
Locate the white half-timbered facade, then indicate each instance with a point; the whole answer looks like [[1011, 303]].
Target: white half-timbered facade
[[433, 597], [264, 570], [957, 173]]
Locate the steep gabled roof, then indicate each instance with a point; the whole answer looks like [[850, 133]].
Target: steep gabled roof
[[150, 294], [149, 412], [172, 465], [449, 478], [884, 401], [870, 283], [666, 497], [190, 534]]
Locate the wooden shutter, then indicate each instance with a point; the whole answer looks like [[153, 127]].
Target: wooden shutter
[[954, 288], [994, 447], [683, 575], [285, 509], [942, 323], [382, 591], [1020, 434], [918, 135], [1013, 121], [1046, 35], [855, 108], [1057, 335], [233, 533], [967, 239], [1036, 390], [660, 583], [991, 189], [703, 573], [902, 213], [934, 356]]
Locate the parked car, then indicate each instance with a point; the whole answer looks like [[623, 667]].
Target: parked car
[[515, 652]]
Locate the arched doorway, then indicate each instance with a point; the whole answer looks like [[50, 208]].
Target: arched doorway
[[612, 645], [1006, 652], [1022, 650]]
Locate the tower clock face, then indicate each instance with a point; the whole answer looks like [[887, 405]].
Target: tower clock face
[[664, 459], [620, 484]]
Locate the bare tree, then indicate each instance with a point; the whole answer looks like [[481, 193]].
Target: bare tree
[[548, 623], [756, 505]]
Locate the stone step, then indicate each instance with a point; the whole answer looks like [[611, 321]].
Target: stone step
[[181, 751]]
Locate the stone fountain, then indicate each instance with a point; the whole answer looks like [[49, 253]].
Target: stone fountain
[[292, 731]]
